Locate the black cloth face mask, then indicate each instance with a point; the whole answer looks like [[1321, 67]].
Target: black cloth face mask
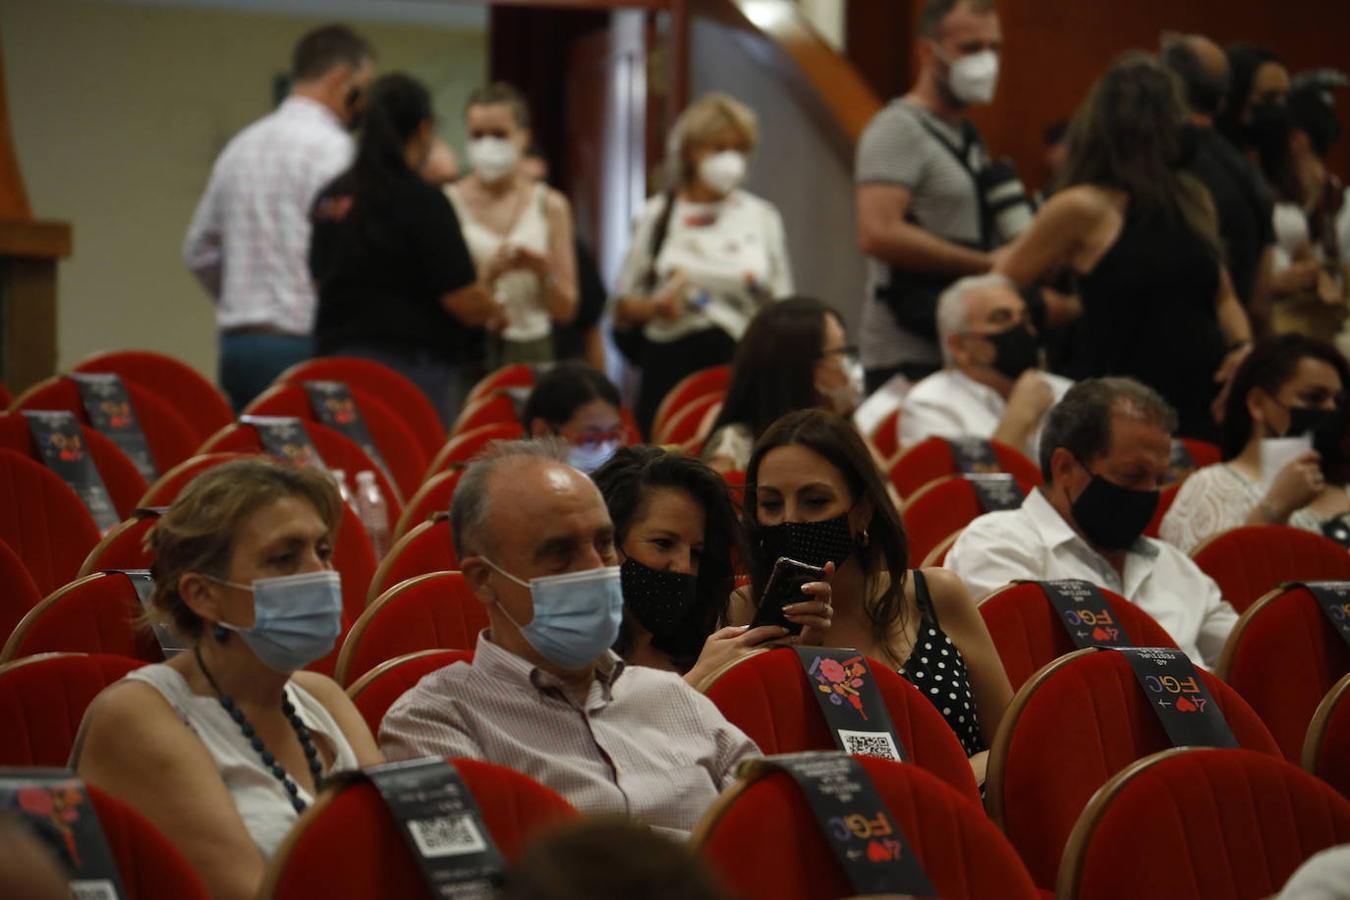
[[1015, 351], [1113, 517], [813, 543], [659, 600]]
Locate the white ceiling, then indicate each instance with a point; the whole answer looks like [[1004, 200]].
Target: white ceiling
[[442, 13]]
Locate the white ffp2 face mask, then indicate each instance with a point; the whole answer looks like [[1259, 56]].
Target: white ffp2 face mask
[[493, 158], [973, 79], [723, 172]]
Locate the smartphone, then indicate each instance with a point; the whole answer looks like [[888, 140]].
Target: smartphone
[[784, 588]]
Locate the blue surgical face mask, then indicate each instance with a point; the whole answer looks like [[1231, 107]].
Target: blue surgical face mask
[[591, 456], [296, 618], [576, 614]]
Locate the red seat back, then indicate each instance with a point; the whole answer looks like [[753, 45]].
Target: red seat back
[[196, 400], [935, 512], [1076, 723], [885, 435], [1028, 632], [43, 699], [462, 448], [690, 423], [1282, 657], [43, 521], [393, 388], [1203, 452], [96, 614], [348, 845], [713, 380], [493, 409], [396, 442], [121, 548], [152, 868], [374, 692], [18, 592], [171, 439], [1326, 751], [427, 548], [1247, 562], [437, 611], [768, 697], [931, 459], [761, 837], [1165, 501], [120, 476], [6, 398], [432, 497], [1216, 824], [172, 482], [517, 375]]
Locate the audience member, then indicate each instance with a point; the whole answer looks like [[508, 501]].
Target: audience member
[[795, 355], [224, 745], [1104, 454], [1157, 303], [249, 236], [921, 219], [544, 694], [1290, 386], [813, 494], [578, 404], [992, 385], [1241, 202], [706, 255], [1323, 876], [518, 229], [677, 533], [396, 284]]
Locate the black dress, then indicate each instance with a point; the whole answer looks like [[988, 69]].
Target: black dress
[[1148, 313], [938, 670]]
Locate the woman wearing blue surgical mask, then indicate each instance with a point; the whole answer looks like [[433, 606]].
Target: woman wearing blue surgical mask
[[813, 494], [580, 405], [225, 744], [676, 531]]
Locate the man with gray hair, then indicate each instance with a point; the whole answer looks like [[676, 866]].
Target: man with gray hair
[[991, 385], [544, 694], [1104, 456]]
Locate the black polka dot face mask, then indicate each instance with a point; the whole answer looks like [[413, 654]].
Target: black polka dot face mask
[[658, 600], [814, 543]]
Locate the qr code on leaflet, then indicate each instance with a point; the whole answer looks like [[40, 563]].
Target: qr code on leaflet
[[92, 890], [451, 835], [869, 743]]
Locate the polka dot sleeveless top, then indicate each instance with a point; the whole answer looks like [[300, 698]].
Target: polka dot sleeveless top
[[936, 668]]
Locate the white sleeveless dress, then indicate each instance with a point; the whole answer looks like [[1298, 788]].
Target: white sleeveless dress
[[262, 802]]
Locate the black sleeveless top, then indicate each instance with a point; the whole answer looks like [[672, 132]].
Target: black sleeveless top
[[1148, 313], [936, 668]]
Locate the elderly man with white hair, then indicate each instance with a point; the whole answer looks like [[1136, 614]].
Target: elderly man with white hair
[[991, 385]]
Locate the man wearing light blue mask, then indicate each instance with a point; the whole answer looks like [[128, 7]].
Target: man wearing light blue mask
[[544, 694]]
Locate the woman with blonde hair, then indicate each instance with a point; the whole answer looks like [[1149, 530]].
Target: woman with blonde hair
[[706, 255]]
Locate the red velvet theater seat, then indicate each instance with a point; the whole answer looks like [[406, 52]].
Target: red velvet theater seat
[[516, 375], [1076, 723], [712, 380], [201, 405], [43, 521], [1326, 750], [1282, 657], [885, 436], [172, 482], [432, 497], [18, 592], [1250, 561], [348, 845], [430, 612], [496, 408], [935, 512], [1028, 633], [120, 476], [123, 547], [43, 699], [94, 614], [767, 696], [152, 868], [427, 548], [374, 692], [760, 836], [1201, 824], [463, 447], [929, 460]]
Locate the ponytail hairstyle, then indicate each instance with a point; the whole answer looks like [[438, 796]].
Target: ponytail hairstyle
[[396, 109]]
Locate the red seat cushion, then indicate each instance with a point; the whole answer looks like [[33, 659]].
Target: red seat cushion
[[425, 549], [201, 405], [767, 846], [120, 476], [96, 614], [1250, 561], [43, 699], [931, 459], [767, 696], [374, 692], [1327, 751], [936, 512], [18, 592], [152, 868], [1208, 824], [43, 521], [687, 424], [431, 612]]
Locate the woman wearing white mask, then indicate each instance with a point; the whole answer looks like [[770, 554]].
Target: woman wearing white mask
[[795, 355], [706, 256], [519, 231], [224, 745]]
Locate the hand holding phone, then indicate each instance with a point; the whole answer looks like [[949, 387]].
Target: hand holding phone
[[785, 588]]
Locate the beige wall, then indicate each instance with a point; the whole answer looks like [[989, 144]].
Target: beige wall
[[118, 112]]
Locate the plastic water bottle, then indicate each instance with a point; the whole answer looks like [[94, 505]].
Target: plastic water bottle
[[373, 510], [344, 490]]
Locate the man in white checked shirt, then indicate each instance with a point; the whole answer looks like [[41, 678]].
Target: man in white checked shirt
[[544, 694], [248, 243]]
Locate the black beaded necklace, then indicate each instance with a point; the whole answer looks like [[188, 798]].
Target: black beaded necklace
[[269, 760]]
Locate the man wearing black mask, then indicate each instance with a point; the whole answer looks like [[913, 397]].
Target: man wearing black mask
[[992, 384], [1104, 455]]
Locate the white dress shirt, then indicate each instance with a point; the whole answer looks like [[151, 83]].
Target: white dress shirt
[[950, 404], [1034, 542], [248, 243]]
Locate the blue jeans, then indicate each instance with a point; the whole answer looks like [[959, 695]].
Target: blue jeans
[[250, 361]]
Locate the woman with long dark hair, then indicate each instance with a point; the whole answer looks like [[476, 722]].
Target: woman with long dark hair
[[1157, 304], [395, 281], [813, 494]]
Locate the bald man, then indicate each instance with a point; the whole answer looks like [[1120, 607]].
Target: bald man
[[1243, 204], [544, 694]]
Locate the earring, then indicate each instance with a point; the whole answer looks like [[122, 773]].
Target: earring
[[220, 633], [866, 538]]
